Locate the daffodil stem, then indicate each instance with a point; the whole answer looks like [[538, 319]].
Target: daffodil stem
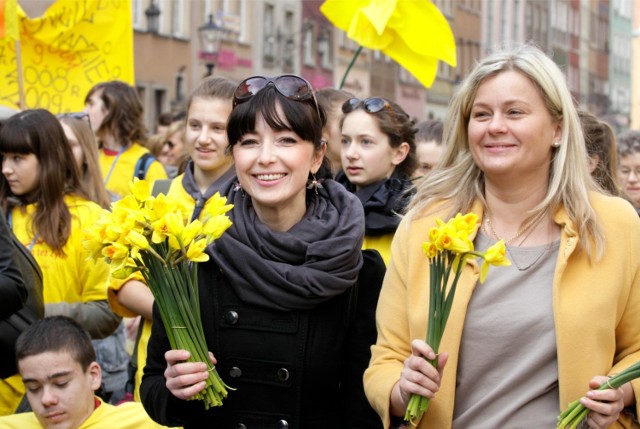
[[576, 412], [353, 61], [175, 290]]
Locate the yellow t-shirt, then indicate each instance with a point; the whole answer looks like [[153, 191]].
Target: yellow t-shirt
[[128, 415], [118, 170], [73, 277], [381, 243]]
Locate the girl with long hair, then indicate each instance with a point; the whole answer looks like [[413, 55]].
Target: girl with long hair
[[47, 208]]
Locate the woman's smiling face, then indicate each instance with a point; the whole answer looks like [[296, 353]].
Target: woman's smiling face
[[273, 167]]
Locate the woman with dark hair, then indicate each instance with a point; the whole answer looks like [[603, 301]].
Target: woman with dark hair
[[277, 295], [378, 160], [115, 113], [48, 209]]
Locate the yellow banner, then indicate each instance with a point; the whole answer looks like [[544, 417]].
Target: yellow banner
[[73, 46], [9, 19]]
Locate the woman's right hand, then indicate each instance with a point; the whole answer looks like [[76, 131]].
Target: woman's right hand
[[417, 376], [185, 379]]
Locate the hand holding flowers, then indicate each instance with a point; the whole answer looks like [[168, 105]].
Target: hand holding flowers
[[448, 248], [154, 235], [577, 412]]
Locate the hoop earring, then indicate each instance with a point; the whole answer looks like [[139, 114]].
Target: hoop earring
[[314, 183]]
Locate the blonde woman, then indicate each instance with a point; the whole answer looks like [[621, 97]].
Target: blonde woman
[[551, 327]]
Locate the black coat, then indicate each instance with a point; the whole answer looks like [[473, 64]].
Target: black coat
[[291, 369]]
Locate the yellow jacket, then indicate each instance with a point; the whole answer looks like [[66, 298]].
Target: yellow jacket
[[596, 308]]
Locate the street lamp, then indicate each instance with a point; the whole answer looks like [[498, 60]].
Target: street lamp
[[211, 35], [153, 14]]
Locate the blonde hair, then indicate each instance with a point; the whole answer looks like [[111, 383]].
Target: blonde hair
[[459, 181]]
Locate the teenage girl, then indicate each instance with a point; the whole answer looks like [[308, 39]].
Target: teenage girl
[[115, 113], [48, 209], [378, 160]]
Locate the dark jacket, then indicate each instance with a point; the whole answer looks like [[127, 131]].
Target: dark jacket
[[291, 369], [21, 279]]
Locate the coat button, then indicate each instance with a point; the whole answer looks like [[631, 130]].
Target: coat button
[[235, 372], [283, 375], [241, 426], [231, 317], [282, 424]]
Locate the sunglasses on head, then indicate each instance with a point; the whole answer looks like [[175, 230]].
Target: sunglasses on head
[[75, 115], [291, 86], [369, 105]]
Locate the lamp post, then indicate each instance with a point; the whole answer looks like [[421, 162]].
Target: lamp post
[[211, 35], [153, 14]]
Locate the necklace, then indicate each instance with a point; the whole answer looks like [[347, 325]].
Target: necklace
[[539, 256], [527, 227]]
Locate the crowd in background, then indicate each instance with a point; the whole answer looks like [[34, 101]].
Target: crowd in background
[[314, 302]]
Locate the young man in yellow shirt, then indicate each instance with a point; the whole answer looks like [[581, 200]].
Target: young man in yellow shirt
[[58, 366]]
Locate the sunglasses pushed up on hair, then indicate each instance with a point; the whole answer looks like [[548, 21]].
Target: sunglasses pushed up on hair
[[369, 105], [291, 86]]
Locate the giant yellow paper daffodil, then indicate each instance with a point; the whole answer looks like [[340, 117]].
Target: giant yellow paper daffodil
[[412, 32]]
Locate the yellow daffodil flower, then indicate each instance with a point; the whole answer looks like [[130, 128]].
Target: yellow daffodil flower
[[195, 251], [138, 240], [215, 226], [153, 235], [495, 255], [450, 245], [140, 189], [216, 206]]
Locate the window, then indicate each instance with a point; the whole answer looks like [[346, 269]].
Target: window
[[307, 44], [177, 18], [269, 38], [137, 15], [325, 48]]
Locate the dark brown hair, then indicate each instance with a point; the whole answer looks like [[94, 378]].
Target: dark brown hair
[[56, 334], [124, 120], [38, 132]]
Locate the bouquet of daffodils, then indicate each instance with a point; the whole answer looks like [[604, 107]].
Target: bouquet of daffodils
[[448, 247], [576, 413], [154, 235]]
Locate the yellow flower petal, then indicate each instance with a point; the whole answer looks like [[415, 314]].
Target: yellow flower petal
[[138, 240], [140, 189], [195, 251]]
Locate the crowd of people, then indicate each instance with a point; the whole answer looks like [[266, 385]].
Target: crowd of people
[[314, 302]]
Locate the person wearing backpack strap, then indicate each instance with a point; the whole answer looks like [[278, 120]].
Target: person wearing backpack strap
[[115, 112]]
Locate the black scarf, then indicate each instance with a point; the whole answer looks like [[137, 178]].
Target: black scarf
[[317, 259], [383, 201], [191, 187]]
